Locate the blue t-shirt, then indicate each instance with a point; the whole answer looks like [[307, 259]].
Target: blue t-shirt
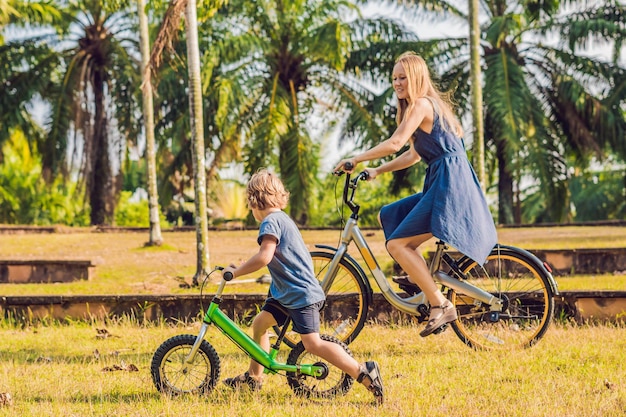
[[293, 281]]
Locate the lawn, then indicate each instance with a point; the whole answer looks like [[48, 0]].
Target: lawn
[[125, 266], [61, 370], [72, 369]]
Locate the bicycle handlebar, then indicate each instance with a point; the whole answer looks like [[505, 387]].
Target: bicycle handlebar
[[228, 276], [351, 185]]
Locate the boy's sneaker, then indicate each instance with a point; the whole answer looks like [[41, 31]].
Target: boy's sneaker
[[371, 371], [241, 380]]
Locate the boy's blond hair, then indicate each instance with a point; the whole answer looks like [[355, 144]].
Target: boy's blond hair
[[265, 190]]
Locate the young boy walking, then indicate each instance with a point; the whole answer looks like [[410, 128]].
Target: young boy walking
[[294, 287]]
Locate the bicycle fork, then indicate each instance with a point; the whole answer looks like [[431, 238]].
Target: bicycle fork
[[196, 344]]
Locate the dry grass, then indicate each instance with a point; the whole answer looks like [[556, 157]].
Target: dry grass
[[573, 371], [57, 370], [125, 266]]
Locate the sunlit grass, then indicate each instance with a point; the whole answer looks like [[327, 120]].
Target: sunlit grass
[[603, 282], [57, 370], [123, 265]]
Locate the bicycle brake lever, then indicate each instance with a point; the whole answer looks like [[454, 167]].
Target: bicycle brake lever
[[346, 167]]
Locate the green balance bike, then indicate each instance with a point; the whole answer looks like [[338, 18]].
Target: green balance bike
[[188, 364]]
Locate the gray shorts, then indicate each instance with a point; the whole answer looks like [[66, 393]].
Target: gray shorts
[[305, 320]]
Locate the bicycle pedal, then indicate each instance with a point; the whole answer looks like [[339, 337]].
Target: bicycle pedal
[[406, 285], [441, 329], [423, 311]]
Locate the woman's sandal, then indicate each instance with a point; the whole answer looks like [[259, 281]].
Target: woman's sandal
[[371, 371], [448, 314]]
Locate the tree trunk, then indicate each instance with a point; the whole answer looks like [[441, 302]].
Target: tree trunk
[[155, 239], [99, 185], [505, 187], [477, 93], [197, 139]]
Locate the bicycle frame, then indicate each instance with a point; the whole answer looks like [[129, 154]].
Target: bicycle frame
[[230, 329], [352, 232]]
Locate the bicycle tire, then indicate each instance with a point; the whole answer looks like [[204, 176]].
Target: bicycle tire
[[334, 382], [173, 377], [526, 287], [347, 302]]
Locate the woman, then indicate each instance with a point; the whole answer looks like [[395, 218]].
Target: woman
[[451, 206]]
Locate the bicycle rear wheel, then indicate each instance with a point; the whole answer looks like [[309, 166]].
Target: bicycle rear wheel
[[512, 275], [347, 302], [334, 381]]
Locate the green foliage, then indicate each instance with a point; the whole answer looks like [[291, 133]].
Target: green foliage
[[25, 198], [593, 195], [370, 195], [134, 213], [599, 195], [228, 202], [135, 175]]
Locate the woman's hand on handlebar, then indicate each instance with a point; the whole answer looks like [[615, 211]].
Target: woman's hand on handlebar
[[345, 165], [371, 173]]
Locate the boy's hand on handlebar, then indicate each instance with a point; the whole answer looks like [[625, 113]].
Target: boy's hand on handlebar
[[229, 269]]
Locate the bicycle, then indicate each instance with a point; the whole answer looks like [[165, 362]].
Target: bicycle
[[507, 302], [188, 364]]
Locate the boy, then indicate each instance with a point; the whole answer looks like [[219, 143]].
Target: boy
[[294, 287]]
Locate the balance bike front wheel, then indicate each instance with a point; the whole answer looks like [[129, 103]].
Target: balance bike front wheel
[[173, 376]]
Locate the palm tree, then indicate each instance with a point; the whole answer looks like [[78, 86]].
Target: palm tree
[[190, 151], [197, 140], [18, 61], [155, 237], [477, 92], [296, 62], [545, 101], [546, 105], [89, 78]]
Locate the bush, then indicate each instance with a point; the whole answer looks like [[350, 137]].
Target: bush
[[25, 198], [131, 213]]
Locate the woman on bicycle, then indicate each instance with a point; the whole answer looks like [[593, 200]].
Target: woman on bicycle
[[294, 291], [451, 206]]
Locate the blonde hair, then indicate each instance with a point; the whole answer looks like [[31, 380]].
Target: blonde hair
[[420, 85], [265, 190]]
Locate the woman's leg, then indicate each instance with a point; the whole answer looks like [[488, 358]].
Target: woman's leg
[[404, 251]]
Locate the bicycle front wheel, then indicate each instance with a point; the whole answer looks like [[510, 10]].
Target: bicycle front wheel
[[172, 375], [528, 297]]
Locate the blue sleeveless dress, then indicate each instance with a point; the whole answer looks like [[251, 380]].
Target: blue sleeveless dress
[[451, 206]]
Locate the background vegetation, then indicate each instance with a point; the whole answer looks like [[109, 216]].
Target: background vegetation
[[282, 81]]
